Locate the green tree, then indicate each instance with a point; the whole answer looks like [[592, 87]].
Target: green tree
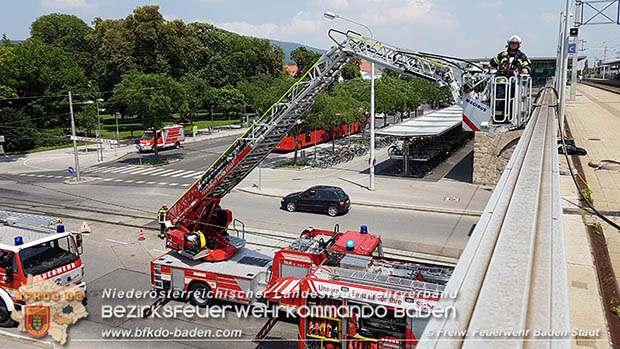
[[331, 112], [351, 70], [152, 97], [18, 131], [195, 90], [304, 59], [8, 72], [230, 100], [143, 41], [46, 70]]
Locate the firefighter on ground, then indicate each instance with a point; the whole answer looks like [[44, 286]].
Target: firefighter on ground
[[162, 217], [508, 63]]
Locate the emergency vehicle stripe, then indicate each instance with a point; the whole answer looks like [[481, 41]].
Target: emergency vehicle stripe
[[470, 124]]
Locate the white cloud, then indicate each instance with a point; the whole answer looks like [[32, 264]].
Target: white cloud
[[330, 5], [257, 30]]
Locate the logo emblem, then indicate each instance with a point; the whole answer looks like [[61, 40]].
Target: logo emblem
[[37, 320]]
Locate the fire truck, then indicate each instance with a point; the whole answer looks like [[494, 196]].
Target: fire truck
[[28, 246], [208, 262], [167, 137]]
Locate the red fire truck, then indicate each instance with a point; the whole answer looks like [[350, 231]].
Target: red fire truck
[[167, 137], [334, 278], [29, 247]]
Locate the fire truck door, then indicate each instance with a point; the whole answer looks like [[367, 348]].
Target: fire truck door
[[178, 279], [8, 272]]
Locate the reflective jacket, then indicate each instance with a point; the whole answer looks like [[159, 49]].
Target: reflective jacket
[[505, 66], [161, 215]]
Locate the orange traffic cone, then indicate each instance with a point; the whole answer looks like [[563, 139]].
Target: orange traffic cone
[[141, 236]]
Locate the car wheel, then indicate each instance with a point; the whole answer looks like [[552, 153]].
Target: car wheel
[[332, 211], [5, 316], [291, 207], [177, 145], [200, 294]]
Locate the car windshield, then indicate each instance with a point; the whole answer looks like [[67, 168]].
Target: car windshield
[[49, 255], [341, 194], [148, 135]]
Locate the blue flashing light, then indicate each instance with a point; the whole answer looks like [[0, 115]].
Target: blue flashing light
[[350, 245], [364, 229], [19, 240], [60, 228]]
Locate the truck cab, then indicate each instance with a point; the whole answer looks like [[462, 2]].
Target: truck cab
[[26, 250]]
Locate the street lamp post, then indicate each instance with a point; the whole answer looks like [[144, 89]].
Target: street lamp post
[[332, 16], [99, 144], [75, 150]]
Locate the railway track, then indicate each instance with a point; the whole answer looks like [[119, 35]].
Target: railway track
[[610, 88]]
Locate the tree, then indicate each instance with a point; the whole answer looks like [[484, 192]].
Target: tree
[[18, 131], [331, 112], [230, 99], [67, 32], [195, 90], [304, 59], [8, 73], [44, 70], [351, 70], [145, 42], [152, 97]]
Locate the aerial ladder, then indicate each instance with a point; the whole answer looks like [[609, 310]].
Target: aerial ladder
[[197, 226]]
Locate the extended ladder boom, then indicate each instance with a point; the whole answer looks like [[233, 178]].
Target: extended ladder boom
[[249, 150]]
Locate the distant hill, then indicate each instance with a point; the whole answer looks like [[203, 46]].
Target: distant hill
[[287, 47]]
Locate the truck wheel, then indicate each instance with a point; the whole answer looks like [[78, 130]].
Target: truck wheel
[[200, 294], [332, 211], [5, 316]]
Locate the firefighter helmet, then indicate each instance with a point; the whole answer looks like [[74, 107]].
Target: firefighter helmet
[[514, 39]]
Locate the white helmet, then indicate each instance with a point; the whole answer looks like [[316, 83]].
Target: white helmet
[[515, 39]]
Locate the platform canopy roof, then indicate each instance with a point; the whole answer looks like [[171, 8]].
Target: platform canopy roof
[[433, 124]]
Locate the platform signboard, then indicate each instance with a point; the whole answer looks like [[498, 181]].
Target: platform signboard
[[94, 140]]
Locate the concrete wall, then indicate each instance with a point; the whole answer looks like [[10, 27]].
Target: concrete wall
[[491, 154]]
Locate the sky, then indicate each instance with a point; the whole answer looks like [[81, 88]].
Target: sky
[[463, 28]]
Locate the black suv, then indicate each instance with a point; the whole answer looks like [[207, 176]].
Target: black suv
[[320, 198]]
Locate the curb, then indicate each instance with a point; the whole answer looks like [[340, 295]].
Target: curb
[[26, 340], [388, 205], [83, 180]]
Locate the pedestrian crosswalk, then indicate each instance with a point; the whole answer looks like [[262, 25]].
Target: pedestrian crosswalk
[[141, 171]]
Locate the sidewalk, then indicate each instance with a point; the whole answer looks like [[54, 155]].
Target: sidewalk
[[61, 159], [443, 196], [594, 121]]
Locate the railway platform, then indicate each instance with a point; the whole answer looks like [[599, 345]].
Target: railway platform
[[593, 121]]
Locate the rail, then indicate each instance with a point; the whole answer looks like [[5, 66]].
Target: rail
[[512, 275]]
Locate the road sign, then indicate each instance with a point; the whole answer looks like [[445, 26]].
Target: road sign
[[572, 48], [70, 170], [1, 139], [94, 140]]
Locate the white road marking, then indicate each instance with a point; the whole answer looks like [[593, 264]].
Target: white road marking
[[152, 170], [173, 184], [118, 180], [129, 181], [197, 176], [164, 171], [139, 182], [23, 174], [49, 176], [142, 170], [40, 176], [150, 182], [185, 185], [163, 183], [193, 174], [184, 173], [108, 179], [118, 169], [58, 177], [168, 174], [118, 242]]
